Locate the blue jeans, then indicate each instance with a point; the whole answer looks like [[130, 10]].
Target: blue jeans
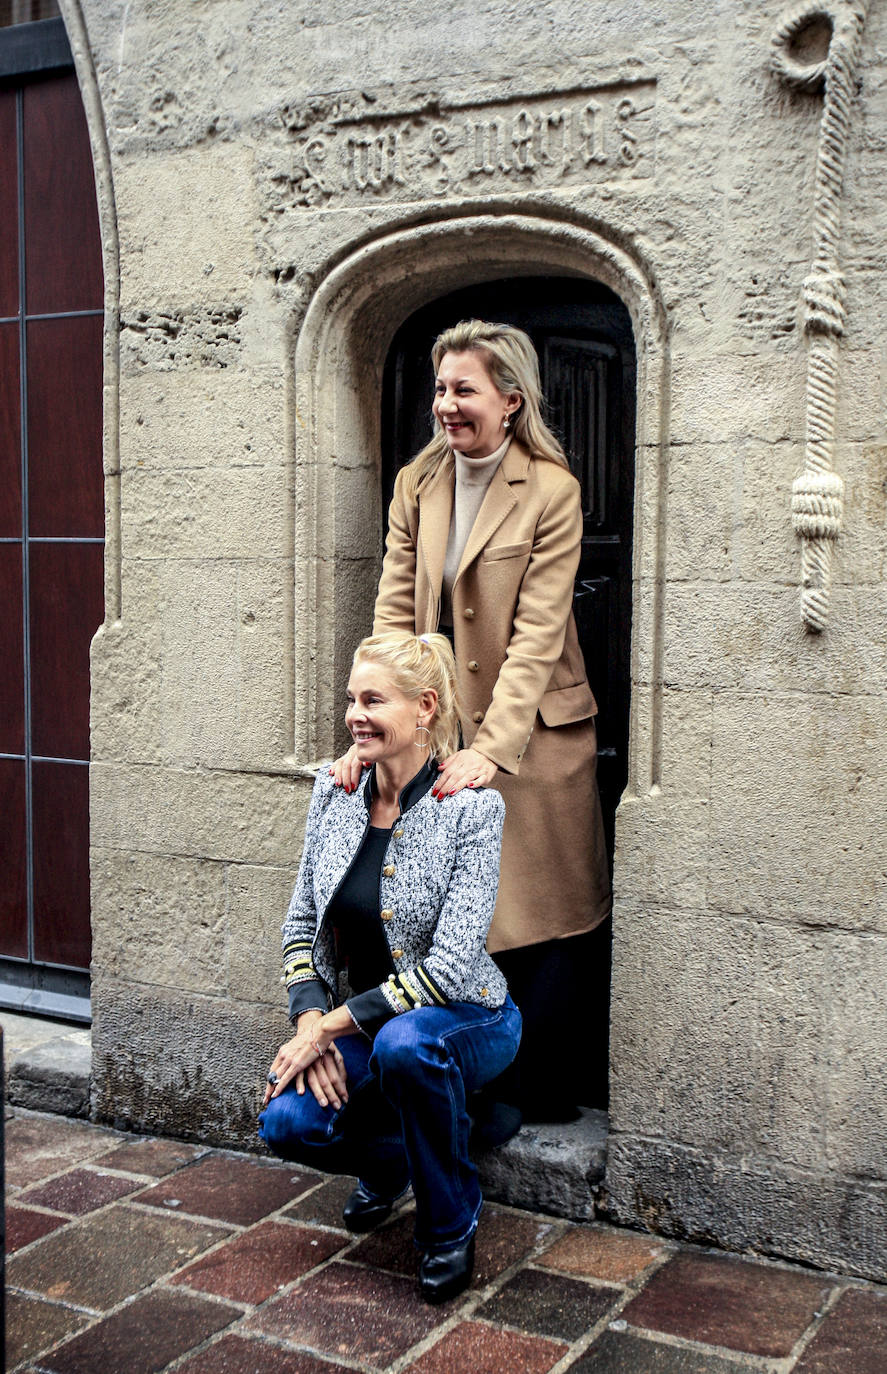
[[406, 1119]]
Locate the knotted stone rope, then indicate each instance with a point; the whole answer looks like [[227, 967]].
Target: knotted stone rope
[[818, 494]]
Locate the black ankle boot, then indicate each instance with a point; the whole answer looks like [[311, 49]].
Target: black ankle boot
[[445, 1274], [363, 1212]]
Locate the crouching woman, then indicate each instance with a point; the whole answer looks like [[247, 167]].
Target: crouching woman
[[399, 1011]]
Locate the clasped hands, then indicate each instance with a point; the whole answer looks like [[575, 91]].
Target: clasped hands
[[465, 768], [312, 1058]]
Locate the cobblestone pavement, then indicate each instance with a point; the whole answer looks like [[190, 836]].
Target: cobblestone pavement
[[129, 1255]]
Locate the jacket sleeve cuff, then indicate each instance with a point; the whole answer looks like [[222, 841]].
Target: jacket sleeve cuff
[[369, 1011], [307, 996]]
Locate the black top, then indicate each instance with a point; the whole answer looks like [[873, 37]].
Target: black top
[[361, 946]]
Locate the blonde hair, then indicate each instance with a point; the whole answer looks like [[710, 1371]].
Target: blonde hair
[[511, 360], [417, 662]]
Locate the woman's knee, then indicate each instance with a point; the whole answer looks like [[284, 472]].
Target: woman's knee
[[290, 1127], [406, 1046]]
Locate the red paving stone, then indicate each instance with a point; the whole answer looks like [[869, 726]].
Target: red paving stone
[[80, 1191], [33, 1325], [624, 1353], [241, 1191], [324, 1206], [101, 1260], [156, 1158], [852, 1339], [37, 1147], [603, 1254], [481, 1349], [24, 1226], [142, 1337], [260, 1261], [550, 1304], [236, 1355], [350, 1312], [758, 1309]]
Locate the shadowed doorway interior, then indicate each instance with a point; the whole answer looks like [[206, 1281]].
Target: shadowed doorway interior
[[583, 335]]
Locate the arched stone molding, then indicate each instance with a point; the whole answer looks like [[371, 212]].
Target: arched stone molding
[[339, 360], [75, 26]]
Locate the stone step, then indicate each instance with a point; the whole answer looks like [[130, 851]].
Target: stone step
[[549, 1168]]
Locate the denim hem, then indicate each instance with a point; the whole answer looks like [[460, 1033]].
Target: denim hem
[[441, 1247]]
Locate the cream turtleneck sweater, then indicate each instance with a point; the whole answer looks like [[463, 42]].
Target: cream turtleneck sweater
[[473, 476]]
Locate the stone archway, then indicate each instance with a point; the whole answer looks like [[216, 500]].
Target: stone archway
[[339, 359]]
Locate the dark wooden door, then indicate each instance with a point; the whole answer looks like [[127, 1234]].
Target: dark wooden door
[[51, 531], [583, 335]]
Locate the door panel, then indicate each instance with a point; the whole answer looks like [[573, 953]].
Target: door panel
[[66, 610], [13, 862], [8, 205], [64, 259], [65, 428], [10, 435], [12, 653], [61, 863]]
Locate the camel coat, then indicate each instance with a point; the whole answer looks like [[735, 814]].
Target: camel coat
[[526, 701]]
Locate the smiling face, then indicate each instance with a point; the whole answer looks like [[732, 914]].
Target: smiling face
[[382, 719], [469, 406]]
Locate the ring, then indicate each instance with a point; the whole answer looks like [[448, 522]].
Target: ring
[[317, 1050], [272, 1078]]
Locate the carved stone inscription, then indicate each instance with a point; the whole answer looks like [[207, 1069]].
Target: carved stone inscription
[[539, 144]]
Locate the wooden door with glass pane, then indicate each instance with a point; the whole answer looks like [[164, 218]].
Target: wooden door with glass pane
[[51, 535]]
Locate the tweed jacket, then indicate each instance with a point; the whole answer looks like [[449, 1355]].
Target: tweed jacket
[[437, 895], [517, 651]]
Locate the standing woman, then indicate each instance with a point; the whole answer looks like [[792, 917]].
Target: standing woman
[[483, 544]]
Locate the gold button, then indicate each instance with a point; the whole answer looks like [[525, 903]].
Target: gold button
[[468, 613], [398, 833], [387, 915], [485, 992], [388, 870], [472, 667], [397, 954], [478, 717]]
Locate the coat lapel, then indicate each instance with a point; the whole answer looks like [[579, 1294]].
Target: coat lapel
[[499, 500], [435, 513]]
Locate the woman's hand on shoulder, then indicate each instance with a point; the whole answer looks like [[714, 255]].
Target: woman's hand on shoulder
[[347, 771], [466, 768]]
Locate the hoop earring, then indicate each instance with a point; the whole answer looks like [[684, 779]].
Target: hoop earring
[[423, 744]]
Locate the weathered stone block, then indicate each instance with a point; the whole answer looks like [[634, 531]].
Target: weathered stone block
[[220, 513], [244, 817], [209, 1090], [201, 419], [257, 901], [742, 1203], [677, 1070], [555, 1169], [797, 800], [51, 1077], [159, 919], [199, 671], [203, 199], [661, 850]]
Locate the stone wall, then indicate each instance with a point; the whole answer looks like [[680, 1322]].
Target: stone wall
[[280, 188]]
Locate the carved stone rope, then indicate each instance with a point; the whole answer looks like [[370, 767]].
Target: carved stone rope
[[818, 494]]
